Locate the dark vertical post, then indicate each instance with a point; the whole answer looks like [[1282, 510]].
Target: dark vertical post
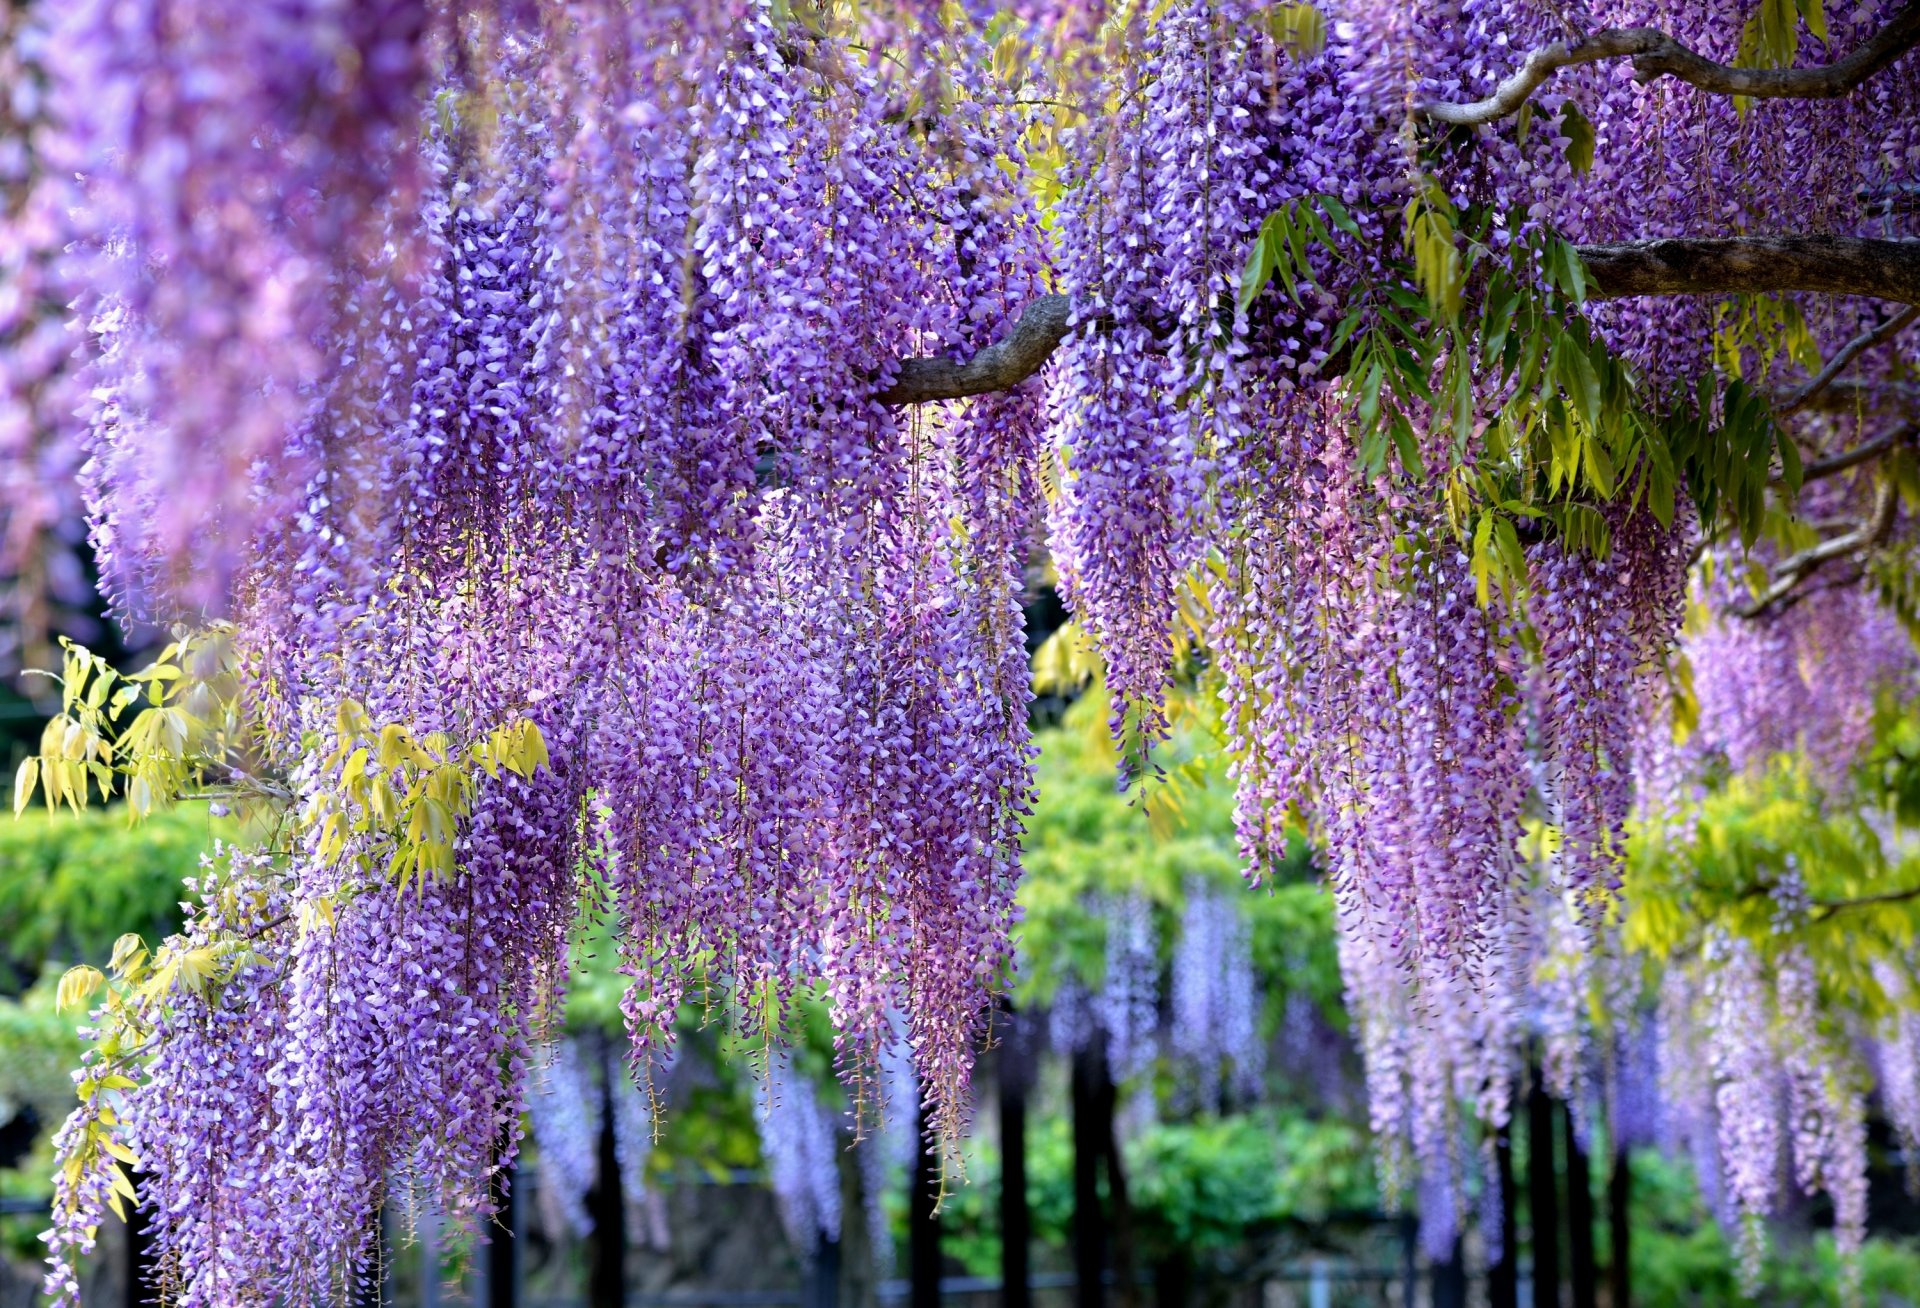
[[1409, 1260], [923, 1220], [1125, 1279], [429, 1227], [1582, 1266], [1503, 1277], [607, 1275], [139, 1251], [369, 1291], [1450, 1279], [1542, 1200], [823, 1289], [503, 1279], [1620, 1227], [1015, 1221], [1089, 1143]]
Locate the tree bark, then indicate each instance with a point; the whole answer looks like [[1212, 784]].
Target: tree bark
[[1655, 55], [502, 1278], [1542, 1197], [1126, 1283], [1732, 265], [139, 1251], [607, 1274], [1000, 367], [1450, 1279], [1754, 265]]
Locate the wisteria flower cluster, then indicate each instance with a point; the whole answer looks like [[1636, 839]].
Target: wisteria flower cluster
[[559, 371]]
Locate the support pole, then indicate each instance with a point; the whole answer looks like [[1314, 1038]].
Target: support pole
[[1503, 1277], [1089, 1143], [1542, 1198], [923, 1220], [1582, 1265], [1016, 1226], [607, 1275], [1620, 1227], [1450, 1279], [503, 1264], [139, 1250], [823, 1286]]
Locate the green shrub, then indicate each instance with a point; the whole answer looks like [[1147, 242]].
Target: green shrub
[[72, 884]]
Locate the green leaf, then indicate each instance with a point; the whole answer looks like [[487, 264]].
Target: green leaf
[[1407, 447], [24, 782], [1578, 129], [1791, 470], [1341, 218]]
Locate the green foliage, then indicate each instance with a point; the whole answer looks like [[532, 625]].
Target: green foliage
[[1771, 37], [397, 800], [1471, 345], [1721, 870], [1681, 1257], [180, 729], [1199, 1187], [38, 1048], [73, 883], [1084, 839]]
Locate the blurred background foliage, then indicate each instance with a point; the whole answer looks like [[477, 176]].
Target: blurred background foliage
[[1291, 1167]]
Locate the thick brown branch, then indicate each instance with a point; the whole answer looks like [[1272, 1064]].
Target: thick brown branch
[[1655, 54], [1840, 265], [1000, 367], [1755, 265]]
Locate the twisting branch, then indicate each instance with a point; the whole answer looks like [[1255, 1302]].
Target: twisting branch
[[1865, 452], [1655, 55], [1859, 395], [1000, 367], [1866, 340], [1796, 567]]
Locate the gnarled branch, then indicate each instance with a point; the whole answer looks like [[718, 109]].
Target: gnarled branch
[[1655, 54], [1000, 367], [1861, 395], [1865, 452]]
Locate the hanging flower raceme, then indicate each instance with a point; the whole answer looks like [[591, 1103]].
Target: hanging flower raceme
[[1217, 999], [511, 377], [801, 1142]]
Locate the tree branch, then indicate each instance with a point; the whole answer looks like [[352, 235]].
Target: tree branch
[[1655, 55], [1828, 907], [1753, 265], [1000, 367], [1837, 265], [1866, 340], [1796, 567], [1857, 394], [1864, 452]]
